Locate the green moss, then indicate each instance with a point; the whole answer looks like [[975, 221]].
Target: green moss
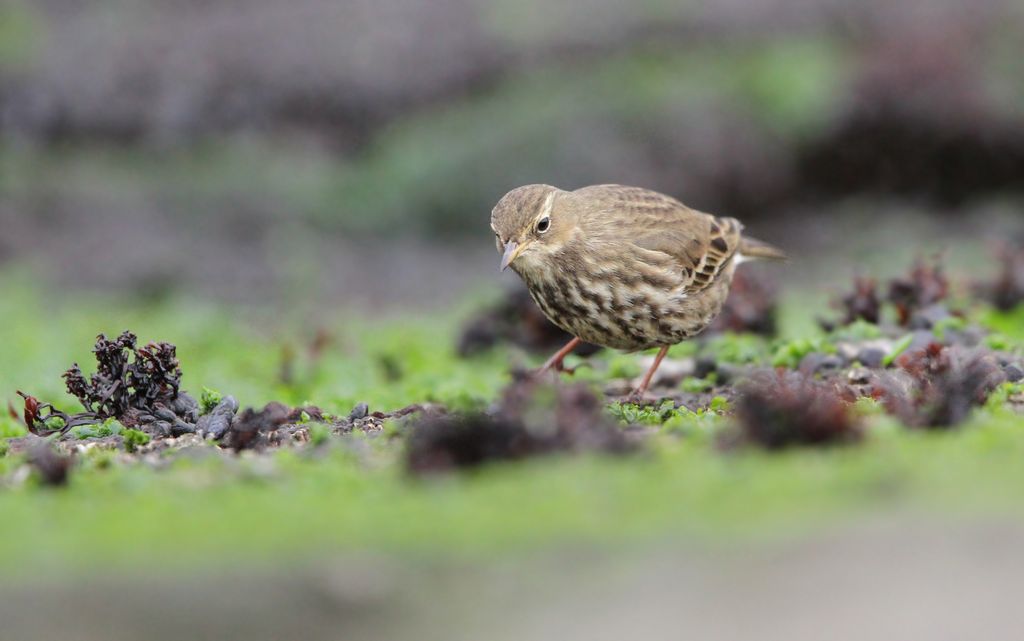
[[633, 414], [700, 423], [10, 427], [997, 400], [134, 439], [109, 427], [319, 434], [737, 348], [21, 34], [1000, 342], [858, 330], [946, 325], [1009, 324], [898, 349], [209, 399], [697, 385], [789, 353], [358, 497]]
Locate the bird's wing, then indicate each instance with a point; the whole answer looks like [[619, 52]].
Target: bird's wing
[[698, 244]]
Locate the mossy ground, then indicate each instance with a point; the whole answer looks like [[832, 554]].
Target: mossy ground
[[353, 494]]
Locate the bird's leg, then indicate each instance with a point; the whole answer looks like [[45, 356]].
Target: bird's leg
[[555, 362], [637, 395]]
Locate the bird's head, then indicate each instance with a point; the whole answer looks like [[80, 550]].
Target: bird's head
[[528, 224]]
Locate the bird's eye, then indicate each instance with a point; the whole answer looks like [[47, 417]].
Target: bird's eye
[[543, 225]]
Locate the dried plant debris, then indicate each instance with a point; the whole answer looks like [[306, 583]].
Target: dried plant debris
[[780, 409], [532, 419], [43, 418], [136, 385], [917, 295], [918, 299], [514, 319], [218, 420], [751, 307], [140, 387], [256, 429], [862, 304], [1006, 292], [937, 386], [130, 379]]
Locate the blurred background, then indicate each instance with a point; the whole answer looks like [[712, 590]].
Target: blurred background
[[346, 155], [350, 152]]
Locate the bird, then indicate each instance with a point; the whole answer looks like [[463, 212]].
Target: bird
[[622, 267]]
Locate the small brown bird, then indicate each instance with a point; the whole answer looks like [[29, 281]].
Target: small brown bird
[[619, 266]]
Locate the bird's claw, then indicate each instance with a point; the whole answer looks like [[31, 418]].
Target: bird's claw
[[638, 397], [570, 370], [559, 368], [539, 374]]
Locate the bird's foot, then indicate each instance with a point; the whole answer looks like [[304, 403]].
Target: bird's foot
[[561, 368], [557, 362], [639, 397], [557, 368]]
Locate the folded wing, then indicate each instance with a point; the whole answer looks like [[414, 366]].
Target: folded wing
[[698, 245]]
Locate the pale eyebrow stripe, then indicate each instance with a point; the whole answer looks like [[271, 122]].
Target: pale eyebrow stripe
[[549, 204]]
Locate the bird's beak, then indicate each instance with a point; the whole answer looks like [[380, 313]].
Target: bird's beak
[[512, 251]]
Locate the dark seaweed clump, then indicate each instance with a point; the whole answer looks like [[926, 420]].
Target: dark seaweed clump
[[936, 387], [861, 304], [254, 429], [782, 409], [918, 298], [135, 385], [924, 286], [127, 377], [532, 419], [140, 387], [1006, 292]]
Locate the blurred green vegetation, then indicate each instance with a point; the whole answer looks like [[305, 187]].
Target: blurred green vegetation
[[298, 505], [21, 35], [442, 163], [435, 171], [352, 493], [387, 363]]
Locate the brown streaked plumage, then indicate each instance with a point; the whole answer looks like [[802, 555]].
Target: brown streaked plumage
[[619, 266]]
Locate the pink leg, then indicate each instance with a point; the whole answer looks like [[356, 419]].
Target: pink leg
[[639, 392], [555, 362]]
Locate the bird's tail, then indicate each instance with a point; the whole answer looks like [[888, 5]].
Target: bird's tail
[[751, 248]]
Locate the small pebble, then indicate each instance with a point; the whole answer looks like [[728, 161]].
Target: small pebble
[[359, 411], [871, 357], [816, 362], [159, 428], [165, 414], [859, 376], [217, 422], [180, 427]]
